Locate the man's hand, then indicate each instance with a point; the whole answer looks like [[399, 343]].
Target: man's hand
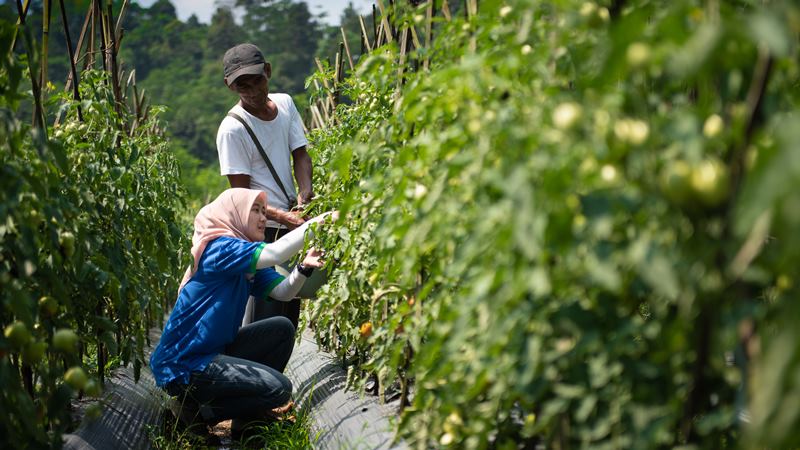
[[305, 197], [291, 219]]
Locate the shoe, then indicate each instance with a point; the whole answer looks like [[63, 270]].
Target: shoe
[[188, 419], [249, 435]]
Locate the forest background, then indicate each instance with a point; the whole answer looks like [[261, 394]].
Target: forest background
[[179, 65]]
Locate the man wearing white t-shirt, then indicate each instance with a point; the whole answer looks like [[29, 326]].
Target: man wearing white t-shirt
[[276, 125]]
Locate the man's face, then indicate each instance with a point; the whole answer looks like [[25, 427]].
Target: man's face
[[252, 89]]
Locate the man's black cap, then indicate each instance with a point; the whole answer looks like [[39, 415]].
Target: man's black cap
[[244, 59]]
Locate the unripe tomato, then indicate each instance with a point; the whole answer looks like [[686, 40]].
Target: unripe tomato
[[17, 333], [48, 305], [713, 126], [76, 378], [366, 329], [94, 411], [33, 352], [93, 388], [65, 340], [674, 181], [67, 241], [566, 115], [710, 181], [637, 54]]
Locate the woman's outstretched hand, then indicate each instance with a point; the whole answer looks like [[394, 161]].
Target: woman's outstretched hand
[[330, 216], [314, 258]]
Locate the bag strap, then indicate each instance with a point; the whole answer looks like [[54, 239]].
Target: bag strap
[[263, 155]]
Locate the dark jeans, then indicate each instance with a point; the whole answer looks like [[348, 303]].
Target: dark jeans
[[274, 308], [246, 380]]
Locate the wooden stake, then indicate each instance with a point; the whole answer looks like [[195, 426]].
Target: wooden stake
[[446, 10], [45, 40], [375, 26], [77, 55], [22, 12], [428, 33], [73, 71], [118, 28], [112, 61], [347, 48], [364, 36], [387, 29]]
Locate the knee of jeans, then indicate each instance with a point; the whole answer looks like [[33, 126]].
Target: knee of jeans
[[286, 390], [285, 326]]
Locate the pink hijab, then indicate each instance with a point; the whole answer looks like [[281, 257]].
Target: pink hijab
[[226, 216]]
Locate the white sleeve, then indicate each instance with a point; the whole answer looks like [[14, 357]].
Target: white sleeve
[[289, 287], [282, 249], [297, 137], [233, 151]]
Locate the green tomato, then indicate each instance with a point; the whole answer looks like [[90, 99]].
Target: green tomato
[[675, 181], [76, 378], [65, 340], [17, 333], [94, 411], [93, 388], [710, 181], [33, 352], [48, 305], [67, 241]]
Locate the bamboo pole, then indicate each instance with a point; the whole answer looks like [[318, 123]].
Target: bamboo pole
[[347, 48], [414, 37], [123, 10], [332, 103], [38, 112], [77, 55], [402, 64], [446, 10], [73, 71], [45, 41], [375, 26], [378, 40], [92, 32], [428, 34], [22, 11], [112, 57], [364, 35], [472, 7], [387, 28]]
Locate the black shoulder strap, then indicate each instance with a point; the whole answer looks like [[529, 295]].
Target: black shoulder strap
[[263, 155]]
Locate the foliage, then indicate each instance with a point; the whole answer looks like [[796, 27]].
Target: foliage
[[89, 244], [563, 231]]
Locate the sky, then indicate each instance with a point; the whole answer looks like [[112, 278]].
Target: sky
[[205, 8]]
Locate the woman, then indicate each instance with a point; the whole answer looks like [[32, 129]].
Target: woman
[[218, 370]]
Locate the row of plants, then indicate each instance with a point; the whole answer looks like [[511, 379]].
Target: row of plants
[[89, 242], [575, 228]]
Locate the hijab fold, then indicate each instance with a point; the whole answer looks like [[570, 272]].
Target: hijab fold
[[227, 215]]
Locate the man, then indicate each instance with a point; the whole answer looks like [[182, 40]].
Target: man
[[276, 125]]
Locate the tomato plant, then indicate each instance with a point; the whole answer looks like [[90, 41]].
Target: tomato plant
[[564, 218], [89, 238]]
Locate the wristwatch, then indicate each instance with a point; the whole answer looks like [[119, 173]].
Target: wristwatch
[[305, 271]]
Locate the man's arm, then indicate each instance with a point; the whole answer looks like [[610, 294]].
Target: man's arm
[[302, 173], [291, 221]]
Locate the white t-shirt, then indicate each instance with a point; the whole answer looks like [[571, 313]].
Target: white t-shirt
[[279, 137]]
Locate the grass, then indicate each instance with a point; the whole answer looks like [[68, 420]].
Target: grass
[[295, 435]]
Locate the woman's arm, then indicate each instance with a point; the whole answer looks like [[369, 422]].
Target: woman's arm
[[282, 249], [285, 247], [289, 287]]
